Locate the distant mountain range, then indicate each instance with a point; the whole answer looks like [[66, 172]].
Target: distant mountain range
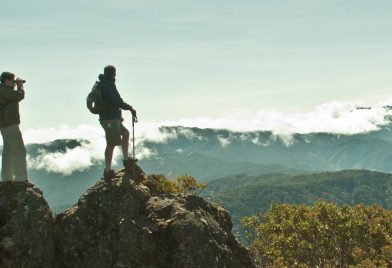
[[245, 195], [210, 154]]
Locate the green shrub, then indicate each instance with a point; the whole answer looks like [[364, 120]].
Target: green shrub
[[181, 184], [324, 235]]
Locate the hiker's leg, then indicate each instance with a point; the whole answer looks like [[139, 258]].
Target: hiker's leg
[[7, 167], [108, 157], [124, 142], [20, 165], [113, 138]]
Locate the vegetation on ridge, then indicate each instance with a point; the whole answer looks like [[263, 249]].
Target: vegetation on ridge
[[246, 195], [324, 235], [181, 184]]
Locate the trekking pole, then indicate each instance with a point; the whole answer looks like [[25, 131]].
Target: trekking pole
[[134, 120]]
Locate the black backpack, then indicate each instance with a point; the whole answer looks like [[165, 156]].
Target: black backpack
[[95, 101]]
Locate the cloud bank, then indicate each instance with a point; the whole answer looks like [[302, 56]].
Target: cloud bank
[[76, 159], [89, 153], [334, 117], [65, 163]]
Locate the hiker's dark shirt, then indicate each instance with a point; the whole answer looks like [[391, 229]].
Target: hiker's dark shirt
[[115, 101], [9, 105]]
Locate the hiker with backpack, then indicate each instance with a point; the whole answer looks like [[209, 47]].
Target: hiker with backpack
[[108, 104], [14, 166]]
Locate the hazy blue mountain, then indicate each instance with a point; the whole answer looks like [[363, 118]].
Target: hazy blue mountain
[[34, 149], [206, 168], [62, 191], [306, 152]]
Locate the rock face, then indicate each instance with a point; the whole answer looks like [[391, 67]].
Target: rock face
[[123, 224], [26, 227]]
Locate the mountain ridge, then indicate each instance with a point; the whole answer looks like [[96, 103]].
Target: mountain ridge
[[346, 187]]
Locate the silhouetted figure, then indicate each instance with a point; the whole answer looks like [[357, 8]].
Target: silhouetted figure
[[111, 121], [14, 152]]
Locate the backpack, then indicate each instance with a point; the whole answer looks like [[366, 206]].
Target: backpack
[[95, 101]]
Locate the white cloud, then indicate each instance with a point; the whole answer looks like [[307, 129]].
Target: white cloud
[[188, 133], [76, 159], [143, 152], [93, 145], [256, 140], [333, 117], [80, 158], [224, 141], [153, 131]]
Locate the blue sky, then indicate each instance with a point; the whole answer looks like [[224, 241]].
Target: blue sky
[[180, 59]]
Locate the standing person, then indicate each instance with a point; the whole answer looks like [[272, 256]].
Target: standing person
[[111, 121], [14, 165]]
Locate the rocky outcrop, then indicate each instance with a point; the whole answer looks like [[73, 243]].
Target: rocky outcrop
[[123, 224], [26, 227], [120, 223]]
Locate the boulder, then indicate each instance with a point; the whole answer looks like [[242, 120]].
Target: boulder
[[26, 227], [124, 224]]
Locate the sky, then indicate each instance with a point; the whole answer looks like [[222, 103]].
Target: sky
[[244, 65]]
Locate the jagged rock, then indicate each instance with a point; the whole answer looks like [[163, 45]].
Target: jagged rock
[[124, 224], [26, 227]]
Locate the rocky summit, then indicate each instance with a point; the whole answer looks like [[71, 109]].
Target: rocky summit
[[117, 223], [26, 227], [123, 224]]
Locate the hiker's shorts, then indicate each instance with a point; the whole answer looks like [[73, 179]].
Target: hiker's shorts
[[114, 130]]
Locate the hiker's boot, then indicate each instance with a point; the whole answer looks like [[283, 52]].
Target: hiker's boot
[[108, 175], [133, 170], [129, 164]]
